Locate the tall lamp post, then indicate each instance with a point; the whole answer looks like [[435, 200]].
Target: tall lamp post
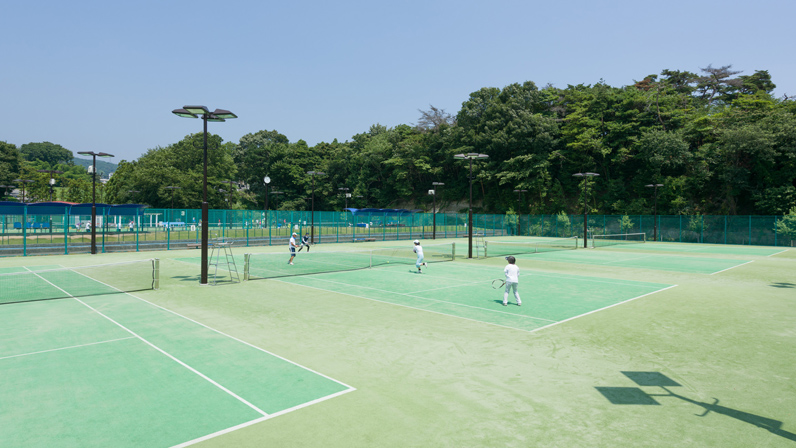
[[276, 199], [52, 180], [519, 215], [433, 193], [172, 188], [133, 193], [218, 115], [346, 194], [94, 156], [655, 211], [23, 182], [230, 183], [312, 209], [585, 177], [470, 156], [5, 189]]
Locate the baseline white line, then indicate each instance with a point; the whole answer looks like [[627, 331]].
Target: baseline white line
[[158, 348], [403, 306], [732, 267], [67, 348], [434, 300], [258, 420], [603, 308], [777, 253]]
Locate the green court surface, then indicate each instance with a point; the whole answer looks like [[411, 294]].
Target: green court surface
[[114, 370], [622, 346], [465, 291], [625, 259]]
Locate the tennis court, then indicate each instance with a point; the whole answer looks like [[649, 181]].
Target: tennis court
[[111, 369], [359, 350]]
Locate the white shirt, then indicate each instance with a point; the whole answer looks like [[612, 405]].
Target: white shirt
[[419, 251], [512, 273], [292, 242]]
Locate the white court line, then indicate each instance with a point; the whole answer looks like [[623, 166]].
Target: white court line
[[258, 420], [603, 308], [732, 267], [67, 348], [434, 300], [158, 348], [777, 253]]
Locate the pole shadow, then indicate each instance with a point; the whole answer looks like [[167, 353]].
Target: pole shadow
[[636, 396]]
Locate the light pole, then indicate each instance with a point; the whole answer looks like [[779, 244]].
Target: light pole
[[276, 199], [218, 115], [585, 177], [52, 180], [133, 192], [172, 194], [94, 156], [434, 211], [23, 182], [312, 209], [5, 189], [655, 211], [519, 215], [230, 183], [470, 156], [346, 194]]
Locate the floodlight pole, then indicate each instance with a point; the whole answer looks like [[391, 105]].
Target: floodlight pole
[[519, 216], [218, 115], [94, 156], [470, 156], [434, 211], [655, 211], [585, 177], [346, 194], [276, 200], [312, 208], [23, 182], [52, 180]]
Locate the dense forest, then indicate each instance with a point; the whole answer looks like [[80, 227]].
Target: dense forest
[[717, 141]]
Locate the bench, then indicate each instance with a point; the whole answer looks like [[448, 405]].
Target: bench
[[363, 240], [194, 245]]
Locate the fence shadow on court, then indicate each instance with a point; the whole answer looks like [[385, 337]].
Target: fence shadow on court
[[637, 396], [783, 285]]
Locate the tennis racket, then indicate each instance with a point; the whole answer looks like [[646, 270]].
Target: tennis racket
[[498, 283]]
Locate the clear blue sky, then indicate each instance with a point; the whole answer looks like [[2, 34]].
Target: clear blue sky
[[105, 76]]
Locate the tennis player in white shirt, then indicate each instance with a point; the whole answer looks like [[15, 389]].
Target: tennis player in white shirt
[[512, 280], [292, 246], [418, 249]]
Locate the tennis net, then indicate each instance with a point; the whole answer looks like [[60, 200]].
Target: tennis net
[[621, 238], [504, 248], [275, 264], [32, 284]]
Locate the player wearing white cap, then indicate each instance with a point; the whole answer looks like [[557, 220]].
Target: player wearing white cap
[[418, 249]]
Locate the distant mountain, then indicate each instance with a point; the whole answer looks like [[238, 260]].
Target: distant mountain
[[103, 168]]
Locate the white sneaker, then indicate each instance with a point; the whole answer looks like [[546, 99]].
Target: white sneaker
[[291, 264], [505, 304], [519, 303]]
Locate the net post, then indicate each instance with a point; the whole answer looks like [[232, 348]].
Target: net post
[[246, 267], [156, 273], [486, 251], [453, 251]]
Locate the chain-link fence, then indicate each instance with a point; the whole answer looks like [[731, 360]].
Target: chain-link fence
[[65, 229]]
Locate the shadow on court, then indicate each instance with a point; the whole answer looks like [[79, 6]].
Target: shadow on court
[[636, 396], [783, 285]]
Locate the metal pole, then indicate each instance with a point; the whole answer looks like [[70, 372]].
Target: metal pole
[[470, 216], [205, 211], [94, 206], [434, 217]]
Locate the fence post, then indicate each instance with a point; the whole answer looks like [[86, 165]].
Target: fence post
[[750, 230]]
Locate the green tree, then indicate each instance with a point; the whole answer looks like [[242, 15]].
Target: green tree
[[10, 161], [46, 152]]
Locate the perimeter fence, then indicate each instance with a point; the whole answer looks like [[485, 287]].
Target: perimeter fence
[[66, 230], [63, 230], [712, 229]]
